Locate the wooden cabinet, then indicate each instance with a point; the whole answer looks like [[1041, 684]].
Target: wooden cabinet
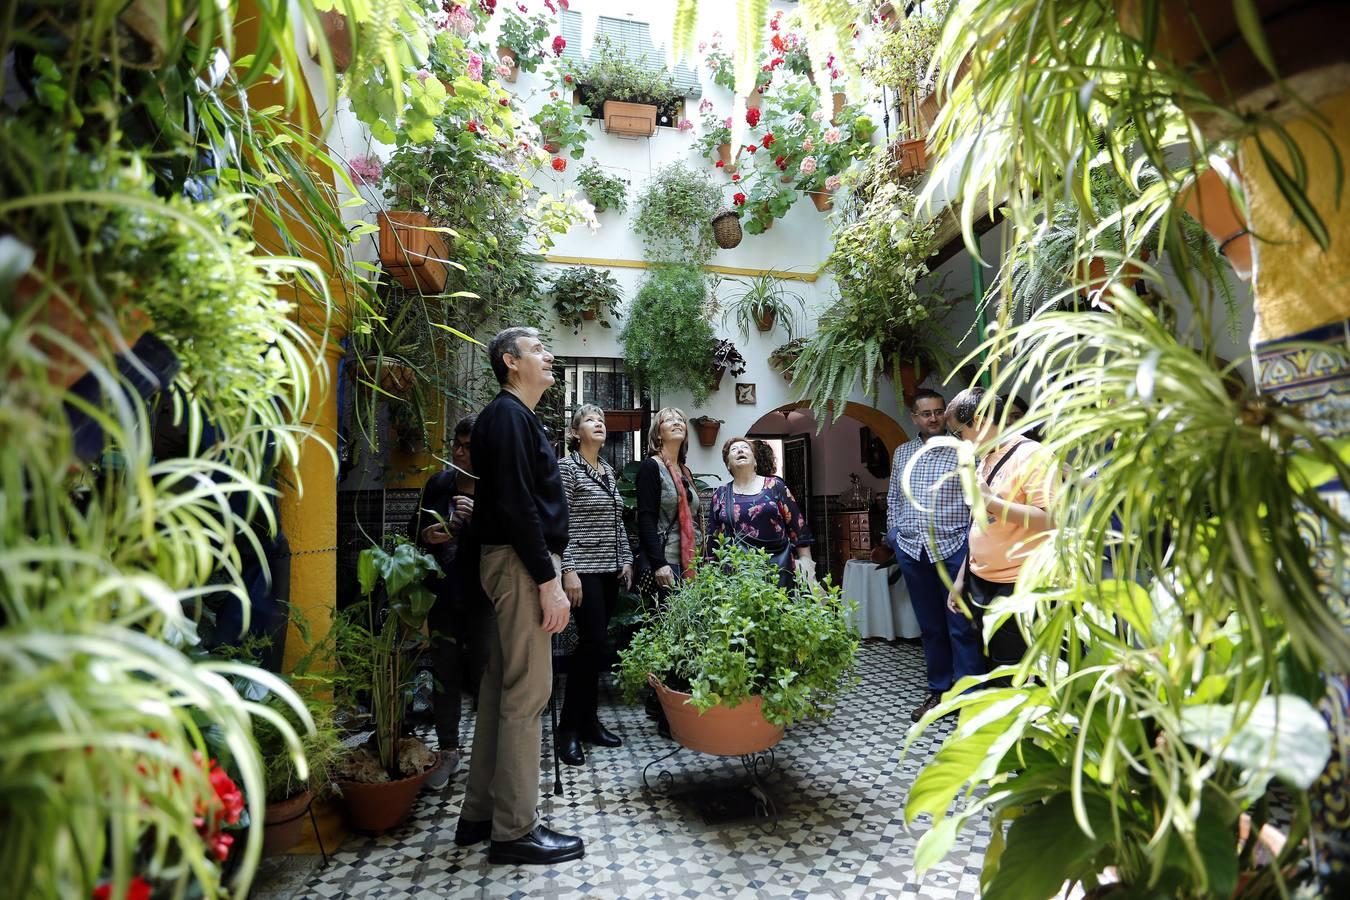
[[850, 538]]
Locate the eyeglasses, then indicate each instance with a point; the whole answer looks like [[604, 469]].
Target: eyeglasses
[[930, 414]]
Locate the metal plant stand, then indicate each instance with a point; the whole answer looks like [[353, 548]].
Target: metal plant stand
[[720, 804]]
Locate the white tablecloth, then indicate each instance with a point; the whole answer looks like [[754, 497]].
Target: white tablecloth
[[883, 610]]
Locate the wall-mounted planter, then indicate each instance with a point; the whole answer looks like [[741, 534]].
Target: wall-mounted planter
[[910, 156], [754, 100], [1209, 202], [724, 154], [508, 57], [412, 253], [824, 200], [765, 322], [337, 32], [1096, 274], [707, 430], [623, 421], [630, 119], [839, 99], [909, 376]]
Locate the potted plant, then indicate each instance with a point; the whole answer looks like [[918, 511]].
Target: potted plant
[[1213, 200], [562, 127], [707, 428], [623, 421], [412, 249], [583, 294], [763, 300], [634, 96], [714, 140], [725, 357], [667, 337], [736, 658], [289, 793], [785, 355], [605, 191], [674, 214], [764, 199], [520, 41], [379, 781]]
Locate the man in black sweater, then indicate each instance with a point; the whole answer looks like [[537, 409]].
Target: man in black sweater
[[520, 521]]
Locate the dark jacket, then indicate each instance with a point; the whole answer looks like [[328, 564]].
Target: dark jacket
[[519, 499], [654, 525]]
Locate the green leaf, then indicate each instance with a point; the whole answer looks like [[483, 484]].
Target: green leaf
[[366, 572], [952, 767], [1249, 22], [1043, 848], [1216, 839], [1283, 736], [935, 844]]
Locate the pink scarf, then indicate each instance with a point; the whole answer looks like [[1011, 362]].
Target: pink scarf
[[686, 521]]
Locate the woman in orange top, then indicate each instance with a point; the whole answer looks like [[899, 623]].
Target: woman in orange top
[[1018, 481]]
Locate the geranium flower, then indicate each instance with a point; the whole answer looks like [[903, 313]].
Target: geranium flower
[[702, 46], [568, 79], [726, 123], [228, 793], [366, 170], [808, 145], [752, 117], [553, 95], [504, 69], [559, 45], [736, 177], [776, 20], [778, 44], [487, 6], [768, 140], [775, 62], [505, 101], [704, 105], [832, 137], [751, 148], [834, 74], [475, 66], [685, 126], [522, 7], [818, 115], [832, 183], [137, 889], [739, 199], [460, 21], [808, 165], [559, 164], [423, 75], [719, 164], [551, 8], [473, 127]]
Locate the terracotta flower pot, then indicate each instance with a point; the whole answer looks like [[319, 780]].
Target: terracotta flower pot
[[786, 178], [908, 376], [337, 32], [765, 322], [589, 315], [411, 253], [754, 100], [630, 119], [721, 731], [285, 822], [717, 374], [623, 421], [707, 431], [507, 55], [910, 156], [377, 808], [839, 99], [74, 319], [824, 200], [1096, 275], [724, 154], [395, 377], [1208, 201]]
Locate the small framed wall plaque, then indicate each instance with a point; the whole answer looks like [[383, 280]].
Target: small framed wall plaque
[[745, 394]]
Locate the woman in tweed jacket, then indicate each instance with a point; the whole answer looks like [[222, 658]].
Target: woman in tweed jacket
[[597, 560]]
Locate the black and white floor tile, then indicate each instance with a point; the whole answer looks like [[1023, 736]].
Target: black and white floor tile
[[839, 786]]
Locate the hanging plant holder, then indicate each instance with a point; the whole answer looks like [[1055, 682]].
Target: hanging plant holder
[[623, 421], [727, 229], [1208, 201], [413, 253], [707, 430], [337, 32], [838, 98], [910, 156], [824, 200], [764, 319], [630, 119]]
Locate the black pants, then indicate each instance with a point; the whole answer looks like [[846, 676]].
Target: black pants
[[1006, 646], [599, 594], [459, 627]]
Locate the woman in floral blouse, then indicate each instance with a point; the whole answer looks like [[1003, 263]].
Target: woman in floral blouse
[[759, 511]]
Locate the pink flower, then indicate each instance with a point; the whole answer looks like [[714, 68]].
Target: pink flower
[[559, 45], [366, 170], [551, 7], [423, 75], [685, 126], [704, 105], [522, 7], [702, 46], [832, 183], [832, 137], [503, 70], [818, 115], [461, 21], [726, 123], [475, 66], [808, 165], [834, 74], [808, 146]]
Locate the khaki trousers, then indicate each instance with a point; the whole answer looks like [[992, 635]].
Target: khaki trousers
[[503, 781]]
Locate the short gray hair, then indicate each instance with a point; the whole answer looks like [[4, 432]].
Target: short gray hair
[[585, 409], [505, 342]]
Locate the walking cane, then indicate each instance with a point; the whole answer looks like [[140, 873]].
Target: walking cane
[[553, 716]]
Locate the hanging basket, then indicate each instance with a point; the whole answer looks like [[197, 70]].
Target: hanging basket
[[727, 229]]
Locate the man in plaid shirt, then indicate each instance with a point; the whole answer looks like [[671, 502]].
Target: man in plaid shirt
[[923, 538]]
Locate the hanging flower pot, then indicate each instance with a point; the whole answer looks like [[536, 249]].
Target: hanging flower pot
[[839, 99], [412, 253], [909, 375], [338, 33], [717, 373], [1096, 274], [910, 156], [507, 57], [1209, 201], [623, 421], [754, 100], [707, 428], [764, 319], [727, 229], [630, 119], [724, 155], [824, 200]]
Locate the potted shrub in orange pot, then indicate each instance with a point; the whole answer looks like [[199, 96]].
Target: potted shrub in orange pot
[[735, 658], [379, 780], [707, 428], [635, 94], [520, 43]]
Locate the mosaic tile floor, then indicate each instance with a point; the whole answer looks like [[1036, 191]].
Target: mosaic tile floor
[[839, 787]]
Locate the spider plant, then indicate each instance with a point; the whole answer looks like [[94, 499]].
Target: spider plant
[[1176, 625], [763, 300]]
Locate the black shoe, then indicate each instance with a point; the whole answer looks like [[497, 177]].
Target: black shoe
[[468, 833], [540, 847], [600, 736], [569, 749], [922, 709]]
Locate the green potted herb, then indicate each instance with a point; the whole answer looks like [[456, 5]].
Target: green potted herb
[[605, 191], [667, 338], [785, 355], [762, 300], [583, 294], [562, 126], [634, 95], [376, 643], [735, 658], [520, 42], [674, 213]]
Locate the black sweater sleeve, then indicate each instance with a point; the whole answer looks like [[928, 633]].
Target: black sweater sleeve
[[647, 486], [436, 497]]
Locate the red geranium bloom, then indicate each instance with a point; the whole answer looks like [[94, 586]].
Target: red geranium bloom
[[559, 45], [751, 148], [504, 101], [768, 140], [720, 164], [559, 164], [739, 199], [735, 178], [567, 79], [137, 889], [473, 127], [219, 844], [778, 43], [775, 62], [780, 162], [752, 117], [766, 68], [228, 793]]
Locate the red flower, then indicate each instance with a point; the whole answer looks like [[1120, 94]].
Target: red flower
[[780, 162], [778, 44], [752, 117], [766, 68], [473, 127], [768, 140], [567, 79], [775, 62], [739, 199], [720, 164], [773, 23], [505, 101], [228, 793], [563, 4], [487, 6], [735, 178], [553, 95], [137, 889], [751, 148], [559, 44], [559, 164], [219, 844]]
